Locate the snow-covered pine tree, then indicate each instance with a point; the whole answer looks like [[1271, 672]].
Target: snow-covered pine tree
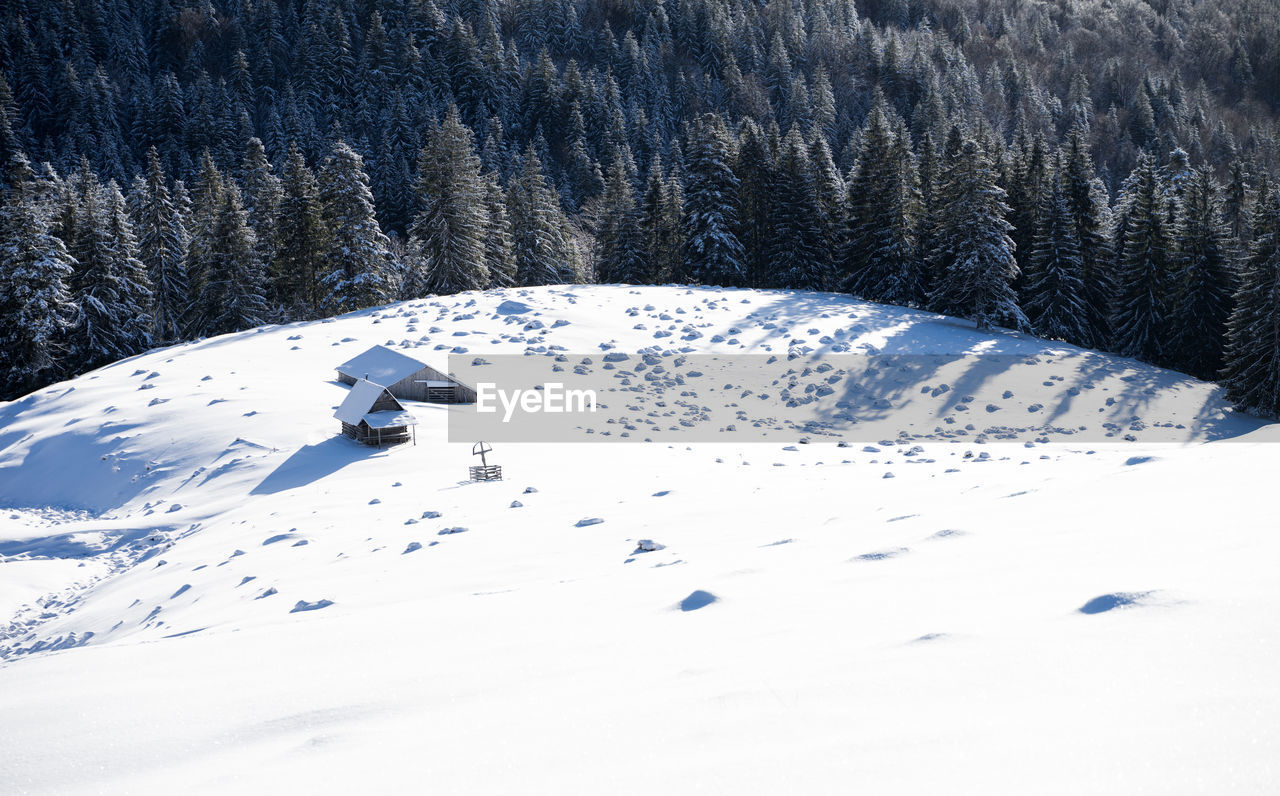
[[831, 201], [713, 255], [660, 226], [1054, 291], [1090, 216], [233, 294], [1204, 281], [499, 251], [446, 240], [1252, 372], [1141, 315], [622, 258], [799, 260], [263, 192], [104, 284], [162, 246], [880, 261], [545, 254], [35, 302], [1236, 202], [136, 297], [974, 241], [301, 243], [756, 179], [359, 255]]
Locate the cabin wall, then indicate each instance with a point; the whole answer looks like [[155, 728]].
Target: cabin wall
[[414, 388]]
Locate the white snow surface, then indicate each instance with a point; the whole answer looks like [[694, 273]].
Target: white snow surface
[[205, 589]]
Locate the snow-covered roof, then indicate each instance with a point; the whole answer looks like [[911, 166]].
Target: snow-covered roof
[[390, 418], [360, 400], [381, 365]]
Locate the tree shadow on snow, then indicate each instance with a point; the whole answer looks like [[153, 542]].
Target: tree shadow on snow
[[310, 463]]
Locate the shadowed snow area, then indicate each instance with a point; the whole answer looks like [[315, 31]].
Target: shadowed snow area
[[203, 587]]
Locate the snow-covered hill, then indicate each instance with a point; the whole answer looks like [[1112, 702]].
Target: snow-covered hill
[[1058, 576]]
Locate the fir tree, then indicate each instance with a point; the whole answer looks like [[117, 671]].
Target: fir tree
[[263, 193], [162, 245], [499, 251], [756, 179], [36, 309], [880, 261], [713, 255], [232, 294], [108, 285], [1054, 292], [621, 242], [1203, 280], [1143, 275], [974, 240], [796, 251], [1252, 372], [660, 215], [359, 253], [447, 239], [544, 252], [1087, 205], [301, 245]]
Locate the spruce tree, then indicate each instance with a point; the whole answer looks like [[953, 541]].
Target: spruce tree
[[880, 261], [1204, 282], [975, 245], [620, 238], [36, 309], [1252, 373], [447, 239], [799, 259], [713, 255], [301, 243], [756, 180], [108, 284], [1054, 291], [136, 297], [162, 246], [233, 291], [263, 193], [499, 251], [1143, 275], [544, 251], [1086, 200], [660, 215], [359, 255]]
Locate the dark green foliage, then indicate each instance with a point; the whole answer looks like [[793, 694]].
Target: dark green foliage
[[447, 239], [35, 303], [301, 242], [1203, 281], [1144, 274], [1053, 287], [881, 261], [359, 256], [973, 241], [713, 255], [1252, 372]]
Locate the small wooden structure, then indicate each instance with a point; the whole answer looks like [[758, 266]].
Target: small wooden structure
[[372, 415], [405, 377], [485, 471]]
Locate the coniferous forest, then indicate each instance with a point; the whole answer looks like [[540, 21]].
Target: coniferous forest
[[1097, 171]]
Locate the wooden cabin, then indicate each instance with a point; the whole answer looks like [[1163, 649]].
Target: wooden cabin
[[372, 415], [405, 377]]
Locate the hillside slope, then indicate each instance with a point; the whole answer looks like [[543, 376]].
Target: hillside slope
[[201, 584]]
